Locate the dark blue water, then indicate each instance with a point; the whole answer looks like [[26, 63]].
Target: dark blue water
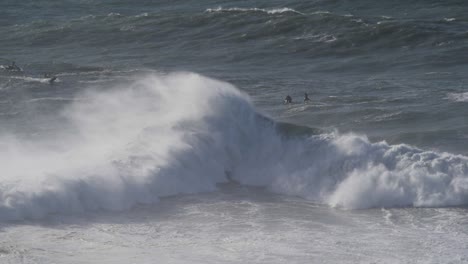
[[392, 70]]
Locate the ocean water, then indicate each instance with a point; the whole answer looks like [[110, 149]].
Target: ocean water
[[164, 138]]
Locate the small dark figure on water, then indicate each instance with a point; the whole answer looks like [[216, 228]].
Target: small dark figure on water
[[288, 99], [13, 67], [306, 97], [51, 78]]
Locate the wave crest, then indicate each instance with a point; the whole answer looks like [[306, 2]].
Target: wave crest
[[184, 133], [267, 11], [458, 97]]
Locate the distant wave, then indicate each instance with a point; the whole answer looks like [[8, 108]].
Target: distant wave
[[184, 133], [52, 99], [327, 38], [458, 97], [142, 15], [268, 11], [33, 79], [114, 14], [342, 33]]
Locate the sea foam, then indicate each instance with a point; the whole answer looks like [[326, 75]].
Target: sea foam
[[267, 11], [185, 133], [458, 97]]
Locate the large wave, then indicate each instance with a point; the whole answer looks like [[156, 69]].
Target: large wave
[[185, 133]]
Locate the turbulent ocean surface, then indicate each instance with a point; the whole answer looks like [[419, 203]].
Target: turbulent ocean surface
[[164, 138]]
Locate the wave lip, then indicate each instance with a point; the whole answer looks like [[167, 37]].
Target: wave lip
[[458, 97], [267, 11], [185, 133], [128, 146]]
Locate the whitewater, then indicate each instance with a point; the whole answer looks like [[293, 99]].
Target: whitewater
[[133, 145], [134, 176], [164, 137]]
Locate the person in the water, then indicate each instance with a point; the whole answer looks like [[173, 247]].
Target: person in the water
[[13, 67], [306, 97], [288, 99], [51, 78]]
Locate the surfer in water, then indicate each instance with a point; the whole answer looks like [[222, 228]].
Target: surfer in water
[[51, 78], [288, 99], [13, 67], [306, 97]]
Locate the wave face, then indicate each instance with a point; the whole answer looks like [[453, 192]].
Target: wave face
[[242, 32], [184, 133]]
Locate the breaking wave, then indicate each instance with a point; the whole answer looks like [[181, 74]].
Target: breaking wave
[[458, 97], [185, 133], [267, 11]]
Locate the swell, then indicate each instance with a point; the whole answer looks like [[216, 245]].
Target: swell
[[333, 32], [184, 133]]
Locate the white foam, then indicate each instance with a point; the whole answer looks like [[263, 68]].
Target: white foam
[[33, 79], [183, 133], [323, 12], [130, 145], [458, 97], [323, 38], [52, 99], [114, 14], [142, 15], [268, 11]]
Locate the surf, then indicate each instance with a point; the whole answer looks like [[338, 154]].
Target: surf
[[184, 133]]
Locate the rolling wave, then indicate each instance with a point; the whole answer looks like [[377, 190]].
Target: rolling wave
[[343, 31], [267, 11], [458, 97], [185, 133]]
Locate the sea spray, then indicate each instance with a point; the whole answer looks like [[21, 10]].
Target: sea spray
[[184, 133], [128, 145]]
